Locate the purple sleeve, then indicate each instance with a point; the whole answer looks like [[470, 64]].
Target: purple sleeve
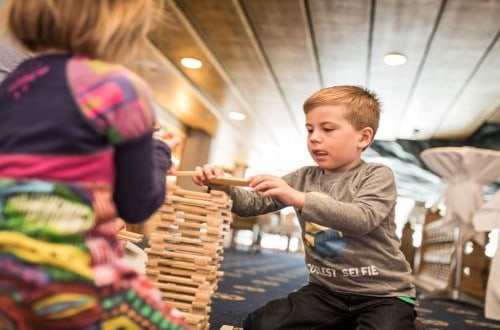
[[118, 104], [141, 167]]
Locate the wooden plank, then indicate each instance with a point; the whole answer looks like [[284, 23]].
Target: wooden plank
[[185, 173], [229, 181]]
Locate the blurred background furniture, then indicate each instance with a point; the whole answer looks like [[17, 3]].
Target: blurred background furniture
[[278, 231], [465, 171], [485, 219]]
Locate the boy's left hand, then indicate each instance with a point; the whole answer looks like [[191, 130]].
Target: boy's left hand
[[273, 186]]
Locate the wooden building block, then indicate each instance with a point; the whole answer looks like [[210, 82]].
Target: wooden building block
[[185, 250]]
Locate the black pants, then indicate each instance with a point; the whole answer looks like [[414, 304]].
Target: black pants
[[314, 307]]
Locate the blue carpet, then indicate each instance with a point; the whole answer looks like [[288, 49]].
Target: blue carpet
[[252, 279]]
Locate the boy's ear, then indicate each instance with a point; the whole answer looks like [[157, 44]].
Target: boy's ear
[[365, 137]]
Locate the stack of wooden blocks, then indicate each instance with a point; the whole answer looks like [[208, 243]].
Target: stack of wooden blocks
[[185, 250]]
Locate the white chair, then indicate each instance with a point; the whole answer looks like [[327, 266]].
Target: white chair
[[487, 218], [465, 170]]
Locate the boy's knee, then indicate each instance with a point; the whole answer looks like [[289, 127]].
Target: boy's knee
[[254, 321], [249, 322]]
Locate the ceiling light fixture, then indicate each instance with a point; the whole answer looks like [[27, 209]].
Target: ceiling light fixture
[[191, 63], [394, 59], [237, 115]]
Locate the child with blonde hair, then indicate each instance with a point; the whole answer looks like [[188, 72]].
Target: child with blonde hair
[[77, 152], [358, 277]]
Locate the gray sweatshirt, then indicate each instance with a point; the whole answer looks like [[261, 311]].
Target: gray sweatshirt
[[348, 228]]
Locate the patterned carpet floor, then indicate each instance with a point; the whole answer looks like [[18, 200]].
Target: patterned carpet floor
[[251, 279]]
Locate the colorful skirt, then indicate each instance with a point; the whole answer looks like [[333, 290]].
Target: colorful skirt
[[59, 269]]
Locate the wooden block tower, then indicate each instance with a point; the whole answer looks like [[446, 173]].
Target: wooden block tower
[[185, 250]]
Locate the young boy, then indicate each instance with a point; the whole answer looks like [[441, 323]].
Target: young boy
[[358, 278]]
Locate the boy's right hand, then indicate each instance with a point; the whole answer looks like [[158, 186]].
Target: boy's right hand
[[207, 172]]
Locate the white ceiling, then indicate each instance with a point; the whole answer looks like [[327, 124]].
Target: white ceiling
[[264, 57]]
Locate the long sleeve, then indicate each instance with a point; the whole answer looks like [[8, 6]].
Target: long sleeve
[[373, 200], [118, 105], [248, 203], [140, 178]]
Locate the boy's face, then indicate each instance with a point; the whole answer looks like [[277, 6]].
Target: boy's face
[[333, 142]]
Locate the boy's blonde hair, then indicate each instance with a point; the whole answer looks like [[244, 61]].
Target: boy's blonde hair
[[362, 107], [110, 30]]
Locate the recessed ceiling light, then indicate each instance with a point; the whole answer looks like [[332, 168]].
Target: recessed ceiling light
[[394, 59], [191, 63], [237, 115]]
